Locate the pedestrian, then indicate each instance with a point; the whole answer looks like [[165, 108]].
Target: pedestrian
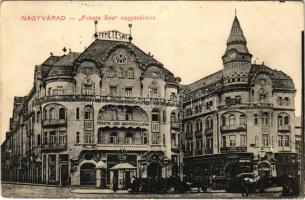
[[133, 184], [114, 184], [244, 188]]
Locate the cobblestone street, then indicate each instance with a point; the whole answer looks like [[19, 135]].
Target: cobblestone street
[[27, 191]]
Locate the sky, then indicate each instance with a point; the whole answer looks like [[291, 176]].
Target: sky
[[189, 38]]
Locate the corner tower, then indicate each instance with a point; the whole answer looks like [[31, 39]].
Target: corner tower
[[237, 59]]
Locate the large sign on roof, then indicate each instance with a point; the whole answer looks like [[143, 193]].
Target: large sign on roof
[[113, 35]]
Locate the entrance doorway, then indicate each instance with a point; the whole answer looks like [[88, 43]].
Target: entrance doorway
[[64, 178], [87, 174], [154, 169]]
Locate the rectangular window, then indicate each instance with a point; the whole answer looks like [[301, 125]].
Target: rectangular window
[[88, 137], [77, 138], [60, 90], [287, 102], [153, 92], [224, 142], [164, 116], [173, 137], [198, 144], [280, 137], [45, 138], [38, 140], [53, 137], [287, 141], [232, 139], [54, 92], [62, 137], [209, 143], [128, 92], [77, 113], [242, 140], [88, 125], [265, 139], [280, 101], [178, 140], [113, 90]]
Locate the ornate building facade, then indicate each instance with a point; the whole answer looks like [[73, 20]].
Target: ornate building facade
[[108, 105], [240, 119]]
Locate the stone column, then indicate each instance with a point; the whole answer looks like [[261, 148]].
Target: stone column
[[98, 178]]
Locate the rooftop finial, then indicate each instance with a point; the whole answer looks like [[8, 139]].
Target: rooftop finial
[[235, 12], [130, 37], [95, 28]]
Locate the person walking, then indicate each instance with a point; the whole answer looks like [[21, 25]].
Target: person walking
[[115, 184], [244, 188]]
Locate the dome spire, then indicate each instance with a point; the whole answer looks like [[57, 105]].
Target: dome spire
[[237, 39]]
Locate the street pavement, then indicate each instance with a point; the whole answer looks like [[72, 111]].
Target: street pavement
[[30, 191]]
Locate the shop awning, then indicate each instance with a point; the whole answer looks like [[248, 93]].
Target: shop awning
[[122, 166]]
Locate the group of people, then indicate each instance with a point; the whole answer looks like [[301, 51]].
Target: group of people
[[157, 185]]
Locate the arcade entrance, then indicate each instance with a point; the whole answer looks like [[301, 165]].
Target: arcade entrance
[[87, 174]]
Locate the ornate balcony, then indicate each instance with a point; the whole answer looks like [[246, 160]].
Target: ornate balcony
[[54, 122], [284, 128], [224, 106], [54, 147], [228, 128], [107, 99], [233, 149], [127, 147]]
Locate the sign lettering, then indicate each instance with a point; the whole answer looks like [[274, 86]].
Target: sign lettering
[[122, 123], [113, 35]]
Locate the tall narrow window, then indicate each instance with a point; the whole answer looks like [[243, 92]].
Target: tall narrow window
[[88, 113], [128, 92], [113, 138], [224, 142], [280, 120], [265, 140], [128, 138], [77, 138], [242, 120], [52, 113], [255, 119], [77, 113], [286, 120], [128, 114], [145, 139], [38, 140], [287, 141], [62, 113], [265, 119], [113, 90], [38, 117], [232, 120], [232, 139], [280, 140], [242, 140]]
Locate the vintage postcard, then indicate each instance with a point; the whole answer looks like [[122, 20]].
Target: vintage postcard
[[151, 99]]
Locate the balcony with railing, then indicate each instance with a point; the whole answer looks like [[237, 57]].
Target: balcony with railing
[[236, 149], [127, 147], [198, 151], [107, 99], [224, 106], [54, 147], [208, 131], [54, 122], [208, 151], [175, 125], [228, 128], [284, 128]]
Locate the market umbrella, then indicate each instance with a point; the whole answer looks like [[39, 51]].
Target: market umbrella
[[121, 166]]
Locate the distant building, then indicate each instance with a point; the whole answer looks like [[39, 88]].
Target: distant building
[[241, 118], [111, 103]]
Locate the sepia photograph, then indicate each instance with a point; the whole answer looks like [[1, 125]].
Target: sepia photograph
[[152, 99]]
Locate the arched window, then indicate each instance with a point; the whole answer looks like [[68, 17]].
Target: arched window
[[242, 120], [38, 116], [280, 120], [232, 120], [128, 114], [88, 113], [120, 72], [45, 117], [265, 118], [128, 138], [130, 73], [286, 120], [173, 117], [223, 120], [199, 125], [62, 113], [52, 113], [110, 72]]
